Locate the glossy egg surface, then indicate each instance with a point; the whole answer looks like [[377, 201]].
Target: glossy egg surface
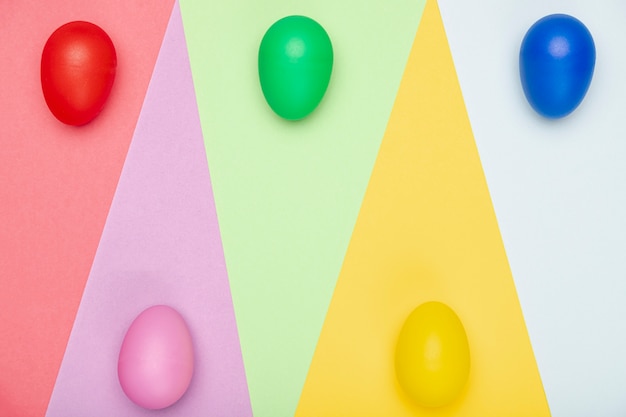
[[557, 61], [432, 359], [295, 65], [78, 67], [156, 359]]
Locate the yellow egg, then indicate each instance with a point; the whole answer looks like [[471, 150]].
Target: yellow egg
[[432, 355]]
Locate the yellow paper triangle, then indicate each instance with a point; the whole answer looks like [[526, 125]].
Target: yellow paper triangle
[[426, 231]]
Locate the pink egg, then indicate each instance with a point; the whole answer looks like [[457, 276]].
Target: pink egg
[[156, 358]]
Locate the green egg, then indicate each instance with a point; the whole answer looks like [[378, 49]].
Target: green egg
[[295, 63]]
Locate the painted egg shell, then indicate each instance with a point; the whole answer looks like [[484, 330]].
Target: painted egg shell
[[78, 67], [557, 59], [432, 355], [295, 64], [156, 359]]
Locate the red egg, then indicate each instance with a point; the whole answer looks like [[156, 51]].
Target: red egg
[[78, 66]]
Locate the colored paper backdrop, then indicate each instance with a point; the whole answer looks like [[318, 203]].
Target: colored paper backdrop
[[160, 245], [287, 197], [57, 183], [426, 232], [559, 196], [288, 194]]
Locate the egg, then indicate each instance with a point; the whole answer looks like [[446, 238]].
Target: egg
[[432, 357], [556, 62], [295, 64], [156, 359], [78, 67]]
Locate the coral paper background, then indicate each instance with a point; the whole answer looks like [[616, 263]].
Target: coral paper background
[[57, 183]]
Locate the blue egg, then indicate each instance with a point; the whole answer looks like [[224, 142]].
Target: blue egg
[[556, 64]]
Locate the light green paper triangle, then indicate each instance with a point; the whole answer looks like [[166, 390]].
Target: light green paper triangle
[[288, 193]]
